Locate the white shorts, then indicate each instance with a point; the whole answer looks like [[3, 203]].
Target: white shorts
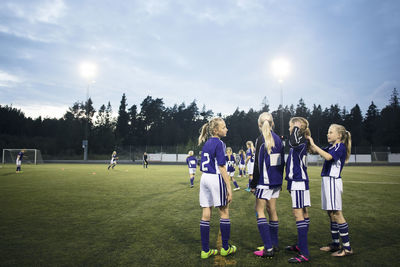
[[231, 174], [113, 161], [212, 191], [192, 170], [331, 193], [18, 162], [300, 199], [250, 167], [267, 193], [241, 166]]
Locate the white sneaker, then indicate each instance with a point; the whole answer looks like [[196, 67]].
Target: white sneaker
[[236, 189]]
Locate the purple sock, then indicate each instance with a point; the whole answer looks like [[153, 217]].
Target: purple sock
[[240, 172], [225, 227], [191, 180], [235, 184], [205, 235], [249, 182], [335, 233], [265, 234], [344, 234], [302, 237], [273, 228], [307, 220]]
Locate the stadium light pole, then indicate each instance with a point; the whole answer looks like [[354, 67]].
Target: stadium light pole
[[88, 71], [280, 68]]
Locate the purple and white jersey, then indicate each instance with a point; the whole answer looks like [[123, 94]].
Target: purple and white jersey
[[296, 164], [20, 155], [271, 165], [250, 153], [334, 167], [212, 156], [242, 159], [230, 163], [191, 162]]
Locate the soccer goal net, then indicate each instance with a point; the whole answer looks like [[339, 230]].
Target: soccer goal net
[[31, 156]]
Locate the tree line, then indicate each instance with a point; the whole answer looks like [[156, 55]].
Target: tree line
[[154, 124]]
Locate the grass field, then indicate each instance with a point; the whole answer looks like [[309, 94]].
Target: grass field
[[84, 215]]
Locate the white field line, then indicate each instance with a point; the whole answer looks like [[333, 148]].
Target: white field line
[[359, 182]]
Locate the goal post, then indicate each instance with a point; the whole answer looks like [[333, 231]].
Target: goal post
[[31, 156]]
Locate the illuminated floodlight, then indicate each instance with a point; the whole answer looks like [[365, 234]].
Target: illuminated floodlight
[[88, 70], [280, 68]]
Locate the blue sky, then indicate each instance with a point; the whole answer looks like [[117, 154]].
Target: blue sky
[[218, 52]]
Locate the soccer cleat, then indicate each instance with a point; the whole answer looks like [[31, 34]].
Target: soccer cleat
[[293, 248], [206, 255], [276, 249], [264, 253], [248, 189], [299, 259], [231, 249], [332, 247], [236, 189], [343, 252]]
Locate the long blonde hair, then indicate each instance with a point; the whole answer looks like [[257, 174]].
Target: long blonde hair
[[251, 145], [345, 138], [209, 129], [265, 124]]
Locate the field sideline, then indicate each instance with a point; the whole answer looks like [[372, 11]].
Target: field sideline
[[84, 215]]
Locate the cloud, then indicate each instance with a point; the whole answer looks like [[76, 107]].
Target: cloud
[[45, 11], [7, 79]]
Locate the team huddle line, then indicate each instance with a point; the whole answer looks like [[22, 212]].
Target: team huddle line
[[265, 166]]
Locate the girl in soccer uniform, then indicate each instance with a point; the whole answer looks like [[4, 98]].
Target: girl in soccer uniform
[[191, 161], [298, 185], [335, 155], [113, 160], [250, 161], [267, 183], [230, 167], [18, 161], [242, 163], [215, 187]]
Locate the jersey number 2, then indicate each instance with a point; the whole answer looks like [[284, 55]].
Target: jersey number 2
[[203, 167]]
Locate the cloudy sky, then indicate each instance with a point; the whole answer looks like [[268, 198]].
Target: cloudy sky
[[218, 52]]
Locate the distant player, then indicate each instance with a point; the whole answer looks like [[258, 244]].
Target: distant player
[[215, 187], [19, 160], [250, 161], [191, 161], [335, 155], [113, 160], [242, 163], [145, 162], [230, 167], [267, 183], [298, 185]]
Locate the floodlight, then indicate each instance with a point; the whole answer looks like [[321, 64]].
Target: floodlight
[[88, 70], [280, 68]]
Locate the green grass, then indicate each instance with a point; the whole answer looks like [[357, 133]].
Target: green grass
[[84, 215]]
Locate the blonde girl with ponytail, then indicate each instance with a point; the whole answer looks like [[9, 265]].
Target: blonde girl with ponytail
[[298, 185], [335, 155], [267, 183], [215, 186]]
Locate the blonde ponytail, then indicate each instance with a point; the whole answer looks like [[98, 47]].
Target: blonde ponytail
[[347, 143], [209, 129], [265, 123], [345, 138]]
